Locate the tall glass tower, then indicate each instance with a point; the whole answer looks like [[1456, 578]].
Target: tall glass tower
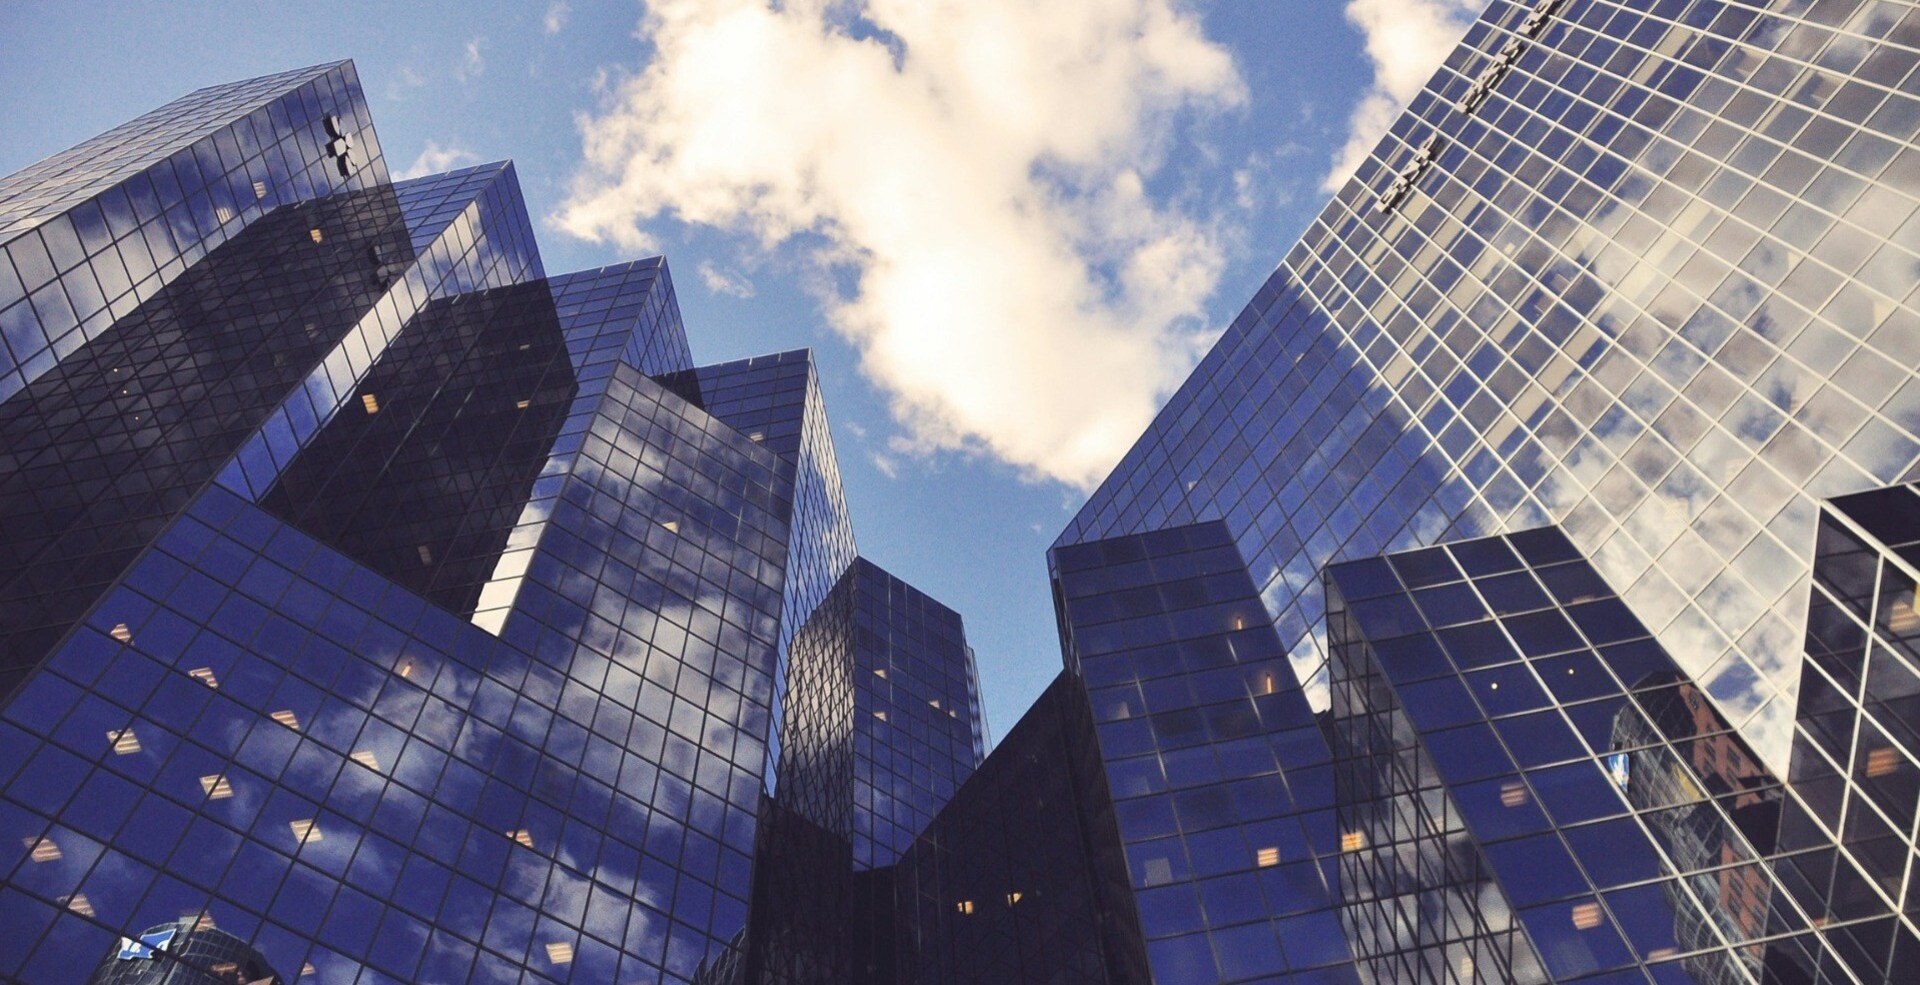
[[376, 607], [1522, 589], [1621, 300]]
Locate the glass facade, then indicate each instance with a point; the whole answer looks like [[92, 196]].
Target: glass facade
[[1019, 879], [1530, 790], [1522, 589], [1650, 280], [1633, 282], [434, 613], [1854, 739], [775, 400], [917, 732], [880, 725], [1221, 784]]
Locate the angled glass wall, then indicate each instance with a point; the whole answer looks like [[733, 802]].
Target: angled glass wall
[[1854, 741], [1221, 779], [1641, 270], [1530, 790]]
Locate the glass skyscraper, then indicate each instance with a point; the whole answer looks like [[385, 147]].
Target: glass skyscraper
[[377, 607], [1620, 305], [1521, 590]]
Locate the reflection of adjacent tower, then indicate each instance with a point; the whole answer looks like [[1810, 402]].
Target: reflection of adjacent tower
[[1737, 897], [880, 724], [188, 951], [424, 475], [108, 445], [797, 933]]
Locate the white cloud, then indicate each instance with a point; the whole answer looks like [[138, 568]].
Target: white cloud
[[732, 283], [557, 13], [974, 174], [473, 63], [435, 159], [1406, 40]]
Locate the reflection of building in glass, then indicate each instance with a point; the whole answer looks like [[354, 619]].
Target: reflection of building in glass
[[401, 610], [189, 951], [1217, 770], [1601, 795], [1642, 274], [419, 616], [1722, 783], [881, 725]]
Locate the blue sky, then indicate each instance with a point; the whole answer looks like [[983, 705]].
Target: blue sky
[[1007, 228]]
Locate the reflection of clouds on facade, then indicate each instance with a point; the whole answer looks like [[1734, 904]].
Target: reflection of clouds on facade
[[570, 781], [1666, 316]]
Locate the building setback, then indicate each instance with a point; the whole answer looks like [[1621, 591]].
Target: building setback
[[378, 607], [1521, 590]]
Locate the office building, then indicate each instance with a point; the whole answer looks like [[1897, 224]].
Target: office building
[[380, 607], [1521, 590], [1630, 285]]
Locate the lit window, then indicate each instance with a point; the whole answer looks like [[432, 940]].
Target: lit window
[[1882, 761], [286, 717], [934, 702], [201, 921], [315, 233], [1353, 841], [121, 632], [673, 526], [1266, 683], [756, 436], [124, 741], [1267, 856], [308, 969], [1513, 794], [521, 404], [365, 757], [370, 402], [406, 669], [880, 672], [79, 903], [259, 189], [425, 552], [880, 715], [964, 906], [222, 214], [522, 835], [1901, 615], [1013, 897], [304, 831], [42, 849], [204, 675], [216, 786], [1586, 916], [560, 952]]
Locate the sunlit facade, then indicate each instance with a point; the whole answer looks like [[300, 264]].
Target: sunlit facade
[[1621, 303]]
